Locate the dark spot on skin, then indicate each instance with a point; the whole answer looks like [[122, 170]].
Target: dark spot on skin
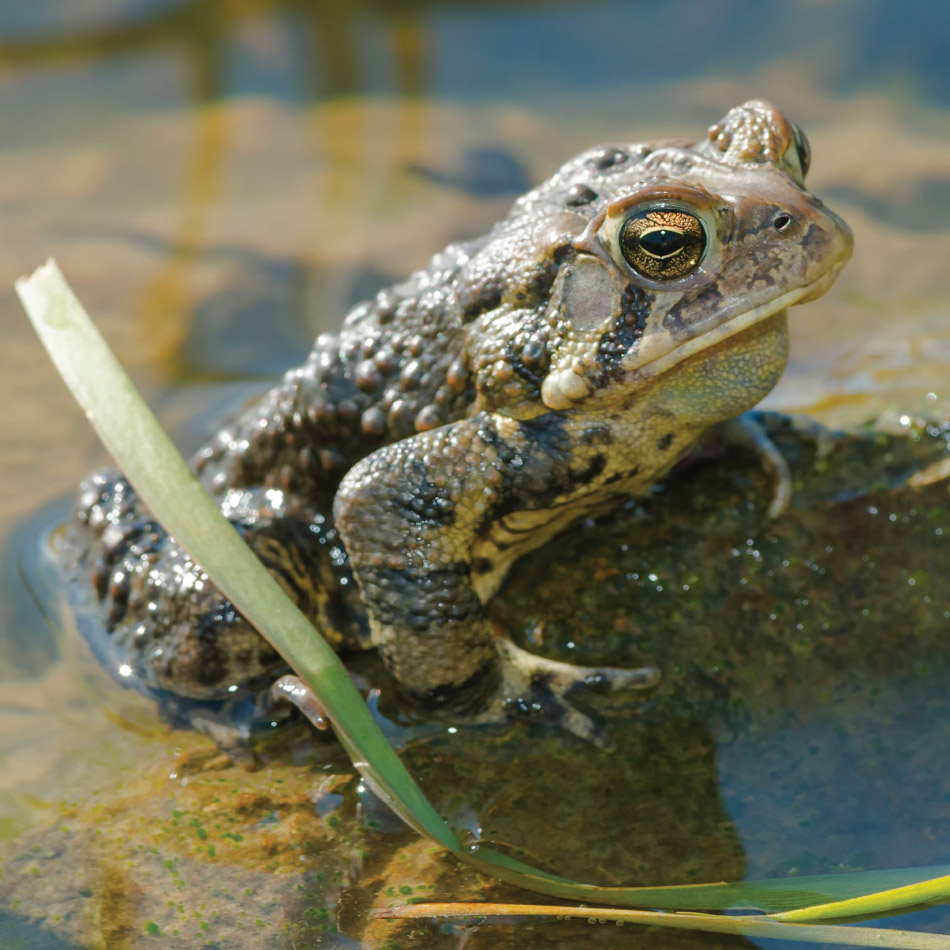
[[482, 565], [608, 157], [537, 703], [535, 469], [533, 370], [478, 298], [632, 473], [266, 657], [811, 236], [532, 353], [421, 600], [594, 468], [489, 434], [423, 502], [665, 441], [621, 338], [597, 435], [100, 580], [580, 194], [540, 680]]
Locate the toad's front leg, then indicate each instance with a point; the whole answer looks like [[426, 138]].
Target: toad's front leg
[[431, 524]]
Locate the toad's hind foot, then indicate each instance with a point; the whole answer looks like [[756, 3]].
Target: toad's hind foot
[[535, 688]]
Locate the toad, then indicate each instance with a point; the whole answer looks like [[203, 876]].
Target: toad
[[629, 308]]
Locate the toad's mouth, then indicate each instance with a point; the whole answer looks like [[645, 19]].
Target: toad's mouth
[[735, 325]]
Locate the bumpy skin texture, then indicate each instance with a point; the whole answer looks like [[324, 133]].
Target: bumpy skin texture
[[520, 382]]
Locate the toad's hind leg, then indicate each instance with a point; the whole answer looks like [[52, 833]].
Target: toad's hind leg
[[169, 625], [410, 515]]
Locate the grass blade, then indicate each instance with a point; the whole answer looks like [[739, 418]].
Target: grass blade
[[773, 896], [764, 927], [935, 890]]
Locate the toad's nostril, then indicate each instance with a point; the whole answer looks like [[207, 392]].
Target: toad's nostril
[[781, 221]]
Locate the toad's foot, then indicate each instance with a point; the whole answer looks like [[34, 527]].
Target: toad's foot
[[532, 688], [750, 432], [535, 688]]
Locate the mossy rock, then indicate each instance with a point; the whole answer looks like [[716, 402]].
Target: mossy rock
[[800, 727]]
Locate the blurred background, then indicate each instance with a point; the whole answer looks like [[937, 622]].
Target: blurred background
[[221, 179]]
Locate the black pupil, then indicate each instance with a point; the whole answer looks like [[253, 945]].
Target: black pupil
[[662, 242]]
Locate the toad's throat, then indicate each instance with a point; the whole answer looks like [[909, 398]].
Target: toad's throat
[[737, 324]]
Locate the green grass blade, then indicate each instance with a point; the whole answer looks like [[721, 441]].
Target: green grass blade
[[904, 885], [162, 478], [762, 927], [933, 891]]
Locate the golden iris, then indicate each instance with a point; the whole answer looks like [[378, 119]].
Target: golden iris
[[662, 244]]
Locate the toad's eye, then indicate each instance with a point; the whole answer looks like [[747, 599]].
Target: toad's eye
[[803, 149], [662, 244]]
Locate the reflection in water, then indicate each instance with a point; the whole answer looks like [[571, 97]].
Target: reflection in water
[[204, 33], [323, 37]]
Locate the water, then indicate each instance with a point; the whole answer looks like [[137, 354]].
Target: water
[[220, 180]]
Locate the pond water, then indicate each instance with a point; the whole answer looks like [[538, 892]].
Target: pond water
[[221, 180]]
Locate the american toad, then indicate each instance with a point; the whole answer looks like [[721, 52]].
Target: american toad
[[520, 382]]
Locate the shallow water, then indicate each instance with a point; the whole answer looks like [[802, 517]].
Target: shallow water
[[219, 181]]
